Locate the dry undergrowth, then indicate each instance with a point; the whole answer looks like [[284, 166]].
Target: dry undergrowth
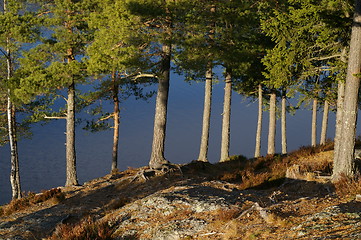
[[86, 229], [261, 173], [54, 195], [347, 187]]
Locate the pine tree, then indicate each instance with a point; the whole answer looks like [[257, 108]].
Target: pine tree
[[56, 65], [115, 58], [161, 27], [344, 161], [309, 40]]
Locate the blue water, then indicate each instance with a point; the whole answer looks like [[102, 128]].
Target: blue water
[[42, 159]]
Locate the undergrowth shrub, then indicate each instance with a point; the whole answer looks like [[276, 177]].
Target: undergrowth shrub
[[226, 215], [86, 229], [55, 194], [348, 186], [317, 166]]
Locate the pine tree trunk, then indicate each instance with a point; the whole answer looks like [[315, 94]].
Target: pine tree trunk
[[339, 116], [283, 123], [71, 175], [314, 123], [324, 123], [272, 125], [206, 116], [345, 158], [116, 125], [203, 151], [157, 158], [226, 117], [257, 152]]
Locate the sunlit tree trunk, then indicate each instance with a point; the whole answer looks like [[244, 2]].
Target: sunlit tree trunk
[[12, 132], [345, 158], [257, 152], [226, 116], [339, 113], [71, 174], [15, 172], [115, 90], [206, 116], [314, 123], [157, 158], [203, 152], [283, 122], [339, 116], [324, 123], [272, 125]]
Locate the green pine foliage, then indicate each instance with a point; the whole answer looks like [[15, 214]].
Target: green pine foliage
[[307, 55]]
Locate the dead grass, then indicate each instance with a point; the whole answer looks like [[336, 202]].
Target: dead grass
[[261, 173], [86, 229], [54, 195], [347, 187]]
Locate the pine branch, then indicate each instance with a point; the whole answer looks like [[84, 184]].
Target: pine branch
[[106, 118], [145, 75], [54, 117], [325, 58], [4, 53]]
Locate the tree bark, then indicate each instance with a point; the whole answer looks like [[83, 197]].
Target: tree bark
[[257, 152], [324, 123], [339, 117], [272, 125], [226, 117], [157, 158], [339, 113], [12, 132], [203, 151], [283, 123], [206, 115], [71, 175], [314, 123], [14, 172], [115, 90], [345, 158]]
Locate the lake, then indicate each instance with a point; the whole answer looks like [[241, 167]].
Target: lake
[[42, 158]]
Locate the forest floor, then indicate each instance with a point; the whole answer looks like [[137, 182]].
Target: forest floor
[[279, 197]]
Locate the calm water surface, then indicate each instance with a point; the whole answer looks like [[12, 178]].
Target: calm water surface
[[42, 159]]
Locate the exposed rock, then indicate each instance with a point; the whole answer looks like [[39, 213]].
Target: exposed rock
[[293, 172], [138, 204]]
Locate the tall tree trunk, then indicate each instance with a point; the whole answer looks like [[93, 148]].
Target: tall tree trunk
[[345, 157], [15, 172], [226, 116], [339, 117], [11, 111], [283, 123], [115, 90], [339, 114], [71, 174], [324, 123], [157, 158], [203, 151], [206, 115], [272, 125], [257, 152], [314, 123]]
